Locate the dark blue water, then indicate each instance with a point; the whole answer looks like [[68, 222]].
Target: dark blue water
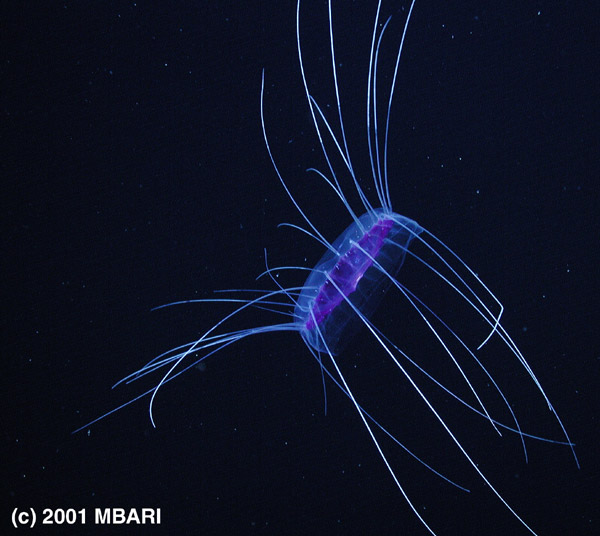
[[135, 174]]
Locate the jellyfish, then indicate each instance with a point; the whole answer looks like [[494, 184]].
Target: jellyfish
[[342, 293]]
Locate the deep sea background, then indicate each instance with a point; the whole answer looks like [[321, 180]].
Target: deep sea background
[[134, 174]]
